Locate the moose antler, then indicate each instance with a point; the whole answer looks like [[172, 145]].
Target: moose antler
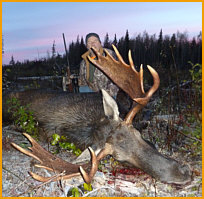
[[127, 78], [53, 163]]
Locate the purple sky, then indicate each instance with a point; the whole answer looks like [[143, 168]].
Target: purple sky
[[29, 28]]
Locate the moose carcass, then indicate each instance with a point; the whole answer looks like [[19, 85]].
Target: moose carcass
[[83, 119]]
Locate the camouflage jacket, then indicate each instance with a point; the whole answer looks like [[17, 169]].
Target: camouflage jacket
[[98, 80]]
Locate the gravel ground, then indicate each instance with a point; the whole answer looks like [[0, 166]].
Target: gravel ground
[[17, 182]]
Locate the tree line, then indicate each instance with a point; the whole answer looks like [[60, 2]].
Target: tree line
[[163, 53]]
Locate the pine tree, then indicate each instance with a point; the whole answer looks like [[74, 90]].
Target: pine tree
[[83, 48], [126, 47], [121, 45], [199, 46], [77, 53], [160, 46], [138, 50], [106, 43], [71, 54], [115, 42], [12, 62], [53, 50]]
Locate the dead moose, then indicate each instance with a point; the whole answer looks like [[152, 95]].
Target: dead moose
[[93, 122]]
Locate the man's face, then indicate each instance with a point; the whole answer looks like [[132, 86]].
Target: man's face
[[93, 42]]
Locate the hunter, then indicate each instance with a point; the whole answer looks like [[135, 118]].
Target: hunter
[[91, 76]]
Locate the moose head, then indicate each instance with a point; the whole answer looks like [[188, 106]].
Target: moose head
[[122, 140]]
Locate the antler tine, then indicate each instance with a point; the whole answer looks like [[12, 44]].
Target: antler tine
[[107, 150], [156, 81], [53, 163], [131, 61], [39, 178], [119, 56], [141, 79], [25, 151], [95, 162], [127, 78], [133, 68], [143, 101], [60, 176]]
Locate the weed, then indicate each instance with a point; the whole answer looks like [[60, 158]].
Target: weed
[[61, 142]]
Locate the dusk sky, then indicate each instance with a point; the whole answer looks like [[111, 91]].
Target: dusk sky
[[30, 28]]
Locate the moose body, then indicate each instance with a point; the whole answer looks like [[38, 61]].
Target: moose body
[[93, 120], [78, 116], [81, 117]]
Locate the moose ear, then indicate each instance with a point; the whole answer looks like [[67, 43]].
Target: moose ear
[[110, 106]]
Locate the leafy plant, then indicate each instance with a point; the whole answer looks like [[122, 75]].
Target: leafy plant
[[194, 129], [22, 116], [196, 74], [75, 192], [78, 191], [63, 144], [87, 187]]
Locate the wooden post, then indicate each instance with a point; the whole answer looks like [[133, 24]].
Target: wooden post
[[70, 88]]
